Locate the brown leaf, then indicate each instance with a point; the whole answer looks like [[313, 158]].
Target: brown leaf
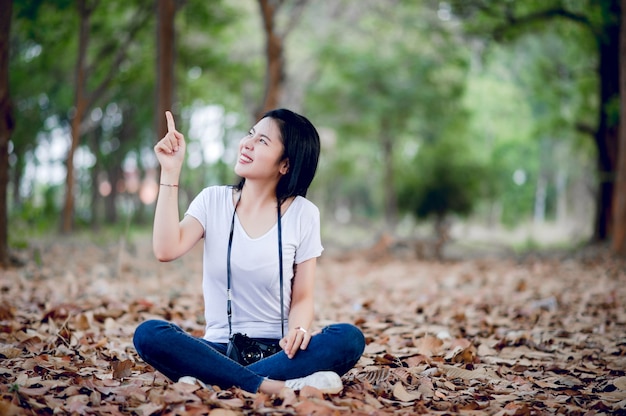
[[121, 369], [81, 322], [9, 409], [429, 345], [288, 396], [309, 392], [223, 412], [400, 393], [10, 352], [6, 312], [147, 409]]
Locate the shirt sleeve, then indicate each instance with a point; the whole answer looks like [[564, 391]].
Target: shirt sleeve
[[310, 238], [199, 207]]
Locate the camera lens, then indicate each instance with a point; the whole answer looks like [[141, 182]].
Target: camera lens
[[252, 355]]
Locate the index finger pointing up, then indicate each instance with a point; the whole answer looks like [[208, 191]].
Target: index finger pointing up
[[170, 122]]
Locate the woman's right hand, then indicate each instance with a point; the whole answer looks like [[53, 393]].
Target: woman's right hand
[[170, 150]]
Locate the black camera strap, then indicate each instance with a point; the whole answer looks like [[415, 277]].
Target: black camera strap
[[229, 275]]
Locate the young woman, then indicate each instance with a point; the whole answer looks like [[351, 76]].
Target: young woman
[[243, 227]]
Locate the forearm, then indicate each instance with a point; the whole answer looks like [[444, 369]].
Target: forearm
[[166, 229], [301, 314]]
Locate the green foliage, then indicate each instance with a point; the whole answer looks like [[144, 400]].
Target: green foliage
[[384, 82], [458, 115], [442, 179], [530, 97], [35, 217]]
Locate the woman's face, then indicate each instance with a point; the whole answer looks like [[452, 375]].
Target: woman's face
[[260, 152]]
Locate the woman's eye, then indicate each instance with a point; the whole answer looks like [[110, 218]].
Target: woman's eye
[[250, 133], [262, 140]]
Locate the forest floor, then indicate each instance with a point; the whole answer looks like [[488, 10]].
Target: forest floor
[[502, 335]]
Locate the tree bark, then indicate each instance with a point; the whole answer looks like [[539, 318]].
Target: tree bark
[[275, 75], [391, 197], [80, 101], [6, 127], [166, 12], [619, 224], [607, 136]]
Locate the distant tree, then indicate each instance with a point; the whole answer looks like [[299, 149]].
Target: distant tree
[[442, 180], [166, 13], [388, 85], [85, 97], [6, 127], [40, 85], [274, 50], [501, 21], [619, 226]]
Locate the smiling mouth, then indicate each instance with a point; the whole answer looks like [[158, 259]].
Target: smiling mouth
[[244, 158]]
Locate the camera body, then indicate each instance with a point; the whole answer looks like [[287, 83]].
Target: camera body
[[246, 350]]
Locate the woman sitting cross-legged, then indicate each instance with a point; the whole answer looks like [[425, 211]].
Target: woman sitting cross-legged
[[261, 243]]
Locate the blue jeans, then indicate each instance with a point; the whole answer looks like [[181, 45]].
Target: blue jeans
[[175, 353]]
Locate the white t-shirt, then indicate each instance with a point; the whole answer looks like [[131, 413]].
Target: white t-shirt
[[255, 280]]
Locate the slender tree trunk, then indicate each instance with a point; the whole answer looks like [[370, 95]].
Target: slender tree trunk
[[541, 193], [18, 170], [391, 198], [6, 127], [80, 104], [94, 145], [114, 174], [619, 224], [275, 75], [560, 183], [607, 134], [166, 12]]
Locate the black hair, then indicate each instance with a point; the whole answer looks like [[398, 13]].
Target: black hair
[[301, 144]]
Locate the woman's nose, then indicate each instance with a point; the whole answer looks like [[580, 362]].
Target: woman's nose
[[248, 142]]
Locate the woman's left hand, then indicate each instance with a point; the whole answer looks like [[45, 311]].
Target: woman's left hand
[[296, 339]]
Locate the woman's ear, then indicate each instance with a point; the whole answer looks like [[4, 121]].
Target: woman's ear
[[284, 167]]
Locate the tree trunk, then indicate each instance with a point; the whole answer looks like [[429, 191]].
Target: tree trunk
[[606, 136], [6, 127], [275, 75], [541, 194], [115, 175], [94, 146], [84, 13], [619, 224], [166, 12], [85, 99], [391, 199]]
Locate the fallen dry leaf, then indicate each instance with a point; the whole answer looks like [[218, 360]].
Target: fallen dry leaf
[[122, 369], [502, 336]]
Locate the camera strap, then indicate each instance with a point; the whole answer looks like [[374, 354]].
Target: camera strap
[[229, 310]]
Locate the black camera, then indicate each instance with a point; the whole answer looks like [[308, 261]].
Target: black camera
[[246, 350]]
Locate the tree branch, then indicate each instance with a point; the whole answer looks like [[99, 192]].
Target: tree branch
[[294, 18], [138, 21], [548, 14], [586, 129]]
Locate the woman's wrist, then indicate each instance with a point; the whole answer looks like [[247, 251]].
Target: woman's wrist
[[171, 180]]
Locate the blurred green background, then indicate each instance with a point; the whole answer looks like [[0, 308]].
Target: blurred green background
[[490, 122]]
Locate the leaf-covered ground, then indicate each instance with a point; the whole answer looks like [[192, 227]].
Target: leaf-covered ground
[[507, 336]]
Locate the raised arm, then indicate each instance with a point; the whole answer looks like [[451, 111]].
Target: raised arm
[[171, 237]]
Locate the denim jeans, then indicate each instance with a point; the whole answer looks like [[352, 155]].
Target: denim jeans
[[176, 353]]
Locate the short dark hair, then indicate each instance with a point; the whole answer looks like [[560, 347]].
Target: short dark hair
[[301, 144]]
